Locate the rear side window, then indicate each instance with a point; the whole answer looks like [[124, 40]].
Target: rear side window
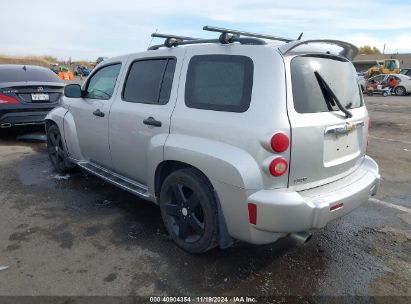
[[219, 82], [150, 81], [340, 76]]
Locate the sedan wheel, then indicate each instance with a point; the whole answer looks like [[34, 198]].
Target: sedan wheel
[[400, 91]]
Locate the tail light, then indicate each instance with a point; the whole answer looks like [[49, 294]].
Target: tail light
[[252, 213], [278, 166], [7, 99], [369, 127], [280, 142]]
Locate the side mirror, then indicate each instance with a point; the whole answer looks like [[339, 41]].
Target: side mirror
[[72, 91]]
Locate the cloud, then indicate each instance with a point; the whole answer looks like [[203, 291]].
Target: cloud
[[392, 45], [88, 29]]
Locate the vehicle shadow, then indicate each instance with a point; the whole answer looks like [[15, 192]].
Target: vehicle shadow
[[33, 136]]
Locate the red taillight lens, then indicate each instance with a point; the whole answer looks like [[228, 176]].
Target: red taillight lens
[[7, 99], [278, 166], [280, 142], [369, 126], [336, 207], [252, 213]]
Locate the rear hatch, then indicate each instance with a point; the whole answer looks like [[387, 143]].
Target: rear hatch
[[328, 142]]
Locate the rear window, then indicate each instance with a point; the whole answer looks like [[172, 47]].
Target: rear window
[[340, 76], [219, 82], [27, 73]]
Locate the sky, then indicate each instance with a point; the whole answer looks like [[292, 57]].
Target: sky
[[85, 30]]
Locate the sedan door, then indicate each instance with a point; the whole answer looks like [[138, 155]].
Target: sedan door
[[91, 113]]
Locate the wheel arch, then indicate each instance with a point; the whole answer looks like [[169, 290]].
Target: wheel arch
[[165, 168]]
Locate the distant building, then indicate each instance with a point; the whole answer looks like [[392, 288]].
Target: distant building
[[364, 62]]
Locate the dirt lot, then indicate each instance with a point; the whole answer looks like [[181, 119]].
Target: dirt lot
[[75, 235]]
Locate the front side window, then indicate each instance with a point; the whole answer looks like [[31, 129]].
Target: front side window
[[338, 73], [102, 83], [219, 83], [150, 81]]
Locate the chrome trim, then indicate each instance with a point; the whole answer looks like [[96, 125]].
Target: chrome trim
[[5, 125], [28, 123], [343, 129]]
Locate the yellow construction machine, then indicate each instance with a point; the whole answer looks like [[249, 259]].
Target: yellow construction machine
[[388, 66]]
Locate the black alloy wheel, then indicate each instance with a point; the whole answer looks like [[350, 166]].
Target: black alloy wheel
[[56, 151], [188, 208]]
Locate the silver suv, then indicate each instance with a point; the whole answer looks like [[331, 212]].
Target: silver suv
[[234, 138]]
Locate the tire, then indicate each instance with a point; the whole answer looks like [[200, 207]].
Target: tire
[[189, 210], [57, 152], [385, 94], [400, 91]]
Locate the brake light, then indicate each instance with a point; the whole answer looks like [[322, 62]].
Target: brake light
[[280, 142], [252, 213], [7, 99], [336, 207], [278, 166], [369, 127]]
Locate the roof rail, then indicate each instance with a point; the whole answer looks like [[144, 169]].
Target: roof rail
[[226, 33]]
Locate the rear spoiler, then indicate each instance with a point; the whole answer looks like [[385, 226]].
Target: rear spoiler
[[349, 50]]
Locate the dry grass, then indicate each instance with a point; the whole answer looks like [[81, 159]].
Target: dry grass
[[29, 60], [43, 61]]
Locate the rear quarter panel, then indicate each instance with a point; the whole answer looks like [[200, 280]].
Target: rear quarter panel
[[230, 147]]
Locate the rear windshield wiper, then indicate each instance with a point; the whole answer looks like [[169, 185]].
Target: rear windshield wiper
[[330, 97]]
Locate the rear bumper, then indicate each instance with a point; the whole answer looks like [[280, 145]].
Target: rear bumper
[[22, 118], [287, 211]]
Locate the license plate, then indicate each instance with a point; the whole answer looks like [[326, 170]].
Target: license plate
[[40, 97]]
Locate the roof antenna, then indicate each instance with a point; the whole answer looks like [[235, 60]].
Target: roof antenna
[[152, 37], [301, 35], [24, 67]]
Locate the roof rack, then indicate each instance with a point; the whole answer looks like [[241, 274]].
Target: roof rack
[[227, 33], [171, 40], [227, 36]]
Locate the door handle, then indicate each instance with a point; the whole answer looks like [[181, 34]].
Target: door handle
[[98, 113], [150, 121]]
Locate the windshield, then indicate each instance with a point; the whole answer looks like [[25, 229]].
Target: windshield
[[392, 64], [339, 75]]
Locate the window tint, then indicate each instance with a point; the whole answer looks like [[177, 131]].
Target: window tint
[[150, 81], [219, 82], [27, 73], [340, 76], [102, 83]]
